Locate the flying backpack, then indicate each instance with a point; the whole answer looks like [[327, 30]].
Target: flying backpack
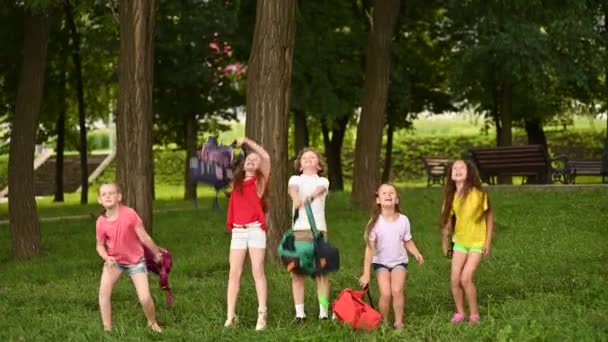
[[162, 268], [308, 257], [350, 308], [213, 165]]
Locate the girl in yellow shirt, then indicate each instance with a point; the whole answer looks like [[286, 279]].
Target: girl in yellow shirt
[[467, 203]]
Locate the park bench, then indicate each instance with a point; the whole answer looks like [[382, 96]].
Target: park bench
[[528, 161], [436, 169], [586, 168]]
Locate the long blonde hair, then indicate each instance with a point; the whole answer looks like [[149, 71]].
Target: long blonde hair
[[377, 211]]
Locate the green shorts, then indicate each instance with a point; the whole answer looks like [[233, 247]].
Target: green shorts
[[461, 248]]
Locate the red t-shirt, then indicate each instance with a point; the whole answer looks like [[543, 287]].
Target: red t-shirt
[[245, 206], [119, 236]]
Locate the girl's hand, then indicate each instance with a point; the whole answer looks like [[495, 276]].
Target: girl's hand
[[486, 250], [241, 141], [364, 280], [445, 247], [110, 261], [158, 257], [297, 203], [419, 258]]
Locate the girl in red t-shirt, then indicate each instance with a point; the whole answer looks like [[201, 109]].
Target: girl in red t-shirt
[[247, 222], [120, 235]]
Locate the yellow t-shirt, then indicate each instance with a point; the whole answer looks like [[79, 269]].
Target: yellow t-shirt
[[470, 230]]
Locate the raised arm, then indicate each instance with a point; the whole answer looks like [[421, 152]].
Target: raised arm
[[264, 156]]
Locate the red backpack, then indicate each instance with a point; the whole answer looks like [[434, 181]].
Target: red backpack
[[350, 308]]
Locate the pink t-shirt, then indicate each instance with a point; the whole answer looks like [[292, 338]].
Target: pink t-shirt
[[119, 236], [388, 238]]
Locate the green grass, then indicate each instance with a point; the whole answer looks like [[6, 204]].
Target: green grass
[[546, 279]]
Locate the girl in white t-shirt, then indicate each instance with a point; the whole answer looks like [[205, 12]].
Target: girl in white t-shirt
[[309, 187], [388, 240]]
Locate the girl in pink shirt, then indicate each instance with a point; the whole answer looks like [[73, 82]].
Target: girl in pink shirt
[[388, 239], [120, 235]]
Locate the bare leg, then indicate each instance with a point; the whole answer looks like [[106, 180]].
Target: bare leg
[[140, 280], [297, 288], [109, 276], [467, 280], [398, 277], [257, 268], [237, 259], [458, 260], [384, 285]]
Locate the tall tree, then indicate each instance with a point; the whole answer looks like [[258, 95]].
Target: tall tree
[[134, 169], [268, 96], [76, 59], [23, 216], [371, 123], [60, 127]]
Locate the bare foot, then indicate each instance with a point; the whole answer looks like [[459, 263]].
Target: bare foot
[[155, 327]]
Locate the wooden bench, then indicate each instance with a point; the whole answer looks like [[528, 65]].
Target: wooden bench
[[436, 169], [586, 168], [528, 161]]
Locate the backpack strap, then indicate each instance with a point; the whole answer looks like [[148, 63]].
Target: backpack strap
[[311, 219]]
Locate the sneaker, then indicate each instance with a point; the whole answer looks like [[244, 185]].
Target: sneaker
[[231, 322], [324, 318], [300, 320], [457, 318], [474, 319], [261, 323]]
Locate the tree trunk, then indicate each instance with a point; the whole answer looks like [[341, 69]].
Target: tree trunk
[[134, 169], [191, 133], [535, 133], [84, 168], [301, 131], [505, 136], [23, 216], [60, 132], [268, 90], [388, 157], [536, 136], [506, 114], [371, 122], [333, 151]]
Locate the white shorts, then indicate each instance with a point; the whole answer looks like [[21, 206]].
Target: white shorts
[[250, 237]]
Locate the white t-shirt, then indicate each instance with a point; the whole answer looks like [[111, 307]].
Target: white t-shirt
[[389, 237], [306, 186]]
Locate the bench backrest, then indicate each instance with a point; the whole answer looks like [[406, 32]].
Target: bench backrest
[[435, 165], [511, 160]]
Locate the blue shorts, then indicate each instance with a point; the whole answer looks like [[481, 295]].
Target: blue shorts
[[132, 269], [379, 267]]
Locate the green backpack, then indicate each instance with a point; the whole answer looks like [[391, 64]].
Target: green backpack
[[299, 256]]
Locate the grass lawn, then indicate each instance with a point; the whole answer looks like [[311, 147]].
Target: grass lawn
[[547, 278]]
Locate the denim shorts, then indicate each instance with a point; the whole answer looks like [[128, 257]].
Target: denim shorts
[[379, 267], [132, 269]]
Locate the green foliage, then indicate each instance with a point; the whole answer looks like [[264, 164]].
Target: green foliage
[[545, 280], [190, 76]]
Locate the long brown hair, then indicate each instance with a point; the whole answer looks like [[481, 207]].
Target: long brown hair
[[377, 210], [297, 165], [239, 178], [472, 181]]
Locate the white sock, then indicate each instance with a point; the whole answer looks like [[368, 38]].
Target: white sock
[[300, 311], [323, 311]]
